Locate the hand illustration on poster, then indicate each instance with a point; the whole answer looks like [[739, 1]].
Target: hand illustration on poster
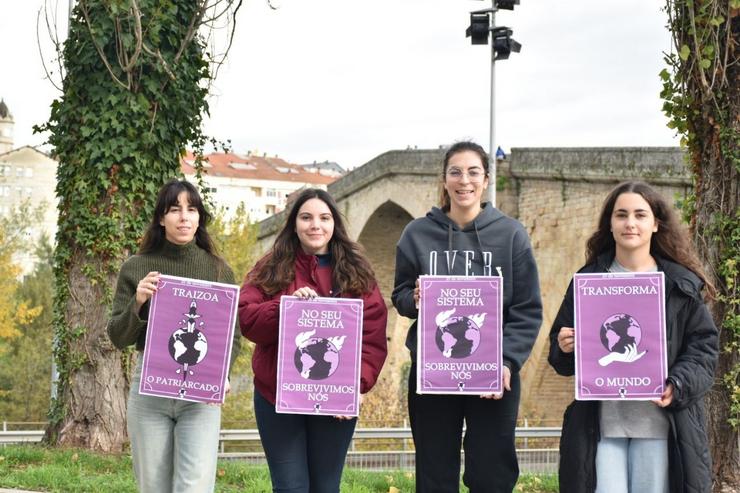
[[621, 334]]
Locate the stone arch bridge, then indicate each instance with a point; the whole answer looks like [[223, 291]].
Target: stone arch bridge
[[555, 192]]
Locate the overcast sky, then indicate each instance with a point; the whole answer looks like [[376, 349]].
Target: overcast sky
[[346, 80]]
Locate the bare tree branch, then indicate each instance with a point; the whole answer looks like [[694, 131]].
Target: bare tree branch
[[99, 49], [136, 13], [41, 53], [192, 28]]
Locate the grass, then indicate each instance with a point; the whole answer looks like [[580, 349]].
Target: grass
[[34, 467]]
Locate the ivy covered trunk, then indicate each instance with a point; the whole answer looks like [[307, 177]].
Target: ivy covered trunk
[[133, 95], [94, 391], [702, 93]]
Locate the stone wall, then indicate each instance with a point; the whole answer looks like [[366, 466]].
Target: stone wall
[[560, 193]]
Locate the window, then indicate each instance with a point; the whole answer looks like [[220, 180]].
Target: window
[[29, 172], [271, 192], [243, 166], [19, 172], [5, 170], [28, 191], [283, 169]]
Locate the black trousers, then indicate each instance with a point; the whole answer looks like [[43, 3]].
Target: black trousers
[[490, 455]]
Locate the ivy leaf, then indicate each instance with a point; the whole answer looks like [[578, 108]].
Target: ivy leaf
[[685, 52], [705, 63], [717, 21], [664, 75]]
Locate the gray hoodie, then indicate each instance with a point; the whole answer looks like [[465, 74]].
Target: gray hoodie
[[492, 244]]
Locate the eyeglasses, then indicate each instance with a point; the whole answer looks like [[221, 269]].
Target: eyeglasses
[[474, 174]]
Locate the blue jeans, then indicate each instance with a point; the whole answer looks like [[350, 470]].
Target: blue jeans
[[174, 444], [305, 453], [632, 465]]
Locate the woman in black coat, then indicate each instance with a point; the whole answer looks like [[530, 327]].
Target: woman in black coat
[[638, 231]]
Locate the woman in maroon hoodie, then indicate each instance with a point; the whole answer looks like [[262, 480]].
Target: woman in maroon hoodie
[[312, 256]]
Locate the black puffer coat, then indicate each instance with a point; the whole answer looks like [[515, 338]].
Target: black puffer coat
[[692, 356]]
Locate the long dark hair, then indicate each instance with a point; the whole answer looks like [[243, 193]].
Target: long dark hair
[[670, 241], [465, 145], [351, 271], [154, 237]]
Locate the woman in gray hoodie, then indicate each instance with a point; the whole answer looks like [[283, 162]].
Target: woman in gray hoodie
[[466, 237]]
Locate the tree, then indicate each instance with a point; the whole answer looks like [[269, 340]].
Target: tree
[[14, 234], [22, 312], [701, 89], [236, 238], [134, 90], [25, 369]]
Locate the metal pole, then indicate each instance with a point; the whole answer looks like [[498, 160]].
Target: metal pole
[[492, 141]]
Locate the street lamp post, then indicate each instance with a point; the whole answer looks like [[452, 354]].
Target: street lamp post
[[483, 23]]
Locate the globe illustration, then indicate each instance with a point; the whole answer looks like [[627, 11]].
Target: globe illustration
[[188, 347], [458, 338], [317, 359], [619, 331]]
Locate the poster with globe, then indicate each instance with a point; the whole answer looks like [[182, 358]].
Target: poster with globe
[[188, 339], [460, 332], [620, 343], [319, 355]]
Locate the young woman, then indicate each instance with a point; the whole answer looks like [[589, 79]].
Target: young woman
[[312, 256], [174, 443], [642, 446], [463, 238]]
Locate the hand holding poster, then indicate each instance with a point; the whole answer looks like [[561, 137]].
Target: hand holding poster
[[188, 339], [319, 355], [459, 335], [620, 347]]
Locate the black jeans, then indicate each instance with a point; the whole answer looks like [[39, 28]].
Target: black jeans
[[305, 454], [490, 454]]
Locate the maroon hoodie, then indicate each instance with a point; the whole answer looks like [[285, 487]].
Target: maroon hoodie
[[259, 313]]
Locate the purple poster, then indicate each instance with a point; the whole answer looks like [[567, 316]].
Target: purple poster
[[459, 335], [620, 346], [188, 339], [319, 356]]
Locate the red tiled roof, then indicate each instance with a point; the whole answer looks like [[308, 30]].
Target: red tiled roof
[[265, 168]]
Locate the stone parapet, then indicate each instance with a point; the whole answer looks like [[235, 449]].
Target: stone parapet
[[658, 165]]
